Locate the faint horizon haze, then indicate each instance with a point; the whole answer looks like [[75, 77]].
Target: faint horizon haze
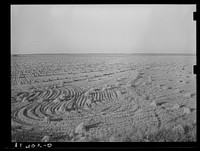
[[47, 29]]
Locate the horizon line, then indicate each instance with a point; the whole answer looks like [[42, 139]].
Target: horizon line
[[103, 53]]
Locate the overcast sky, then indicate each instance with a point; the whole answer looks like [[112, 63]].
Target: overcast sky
[[103, 29]]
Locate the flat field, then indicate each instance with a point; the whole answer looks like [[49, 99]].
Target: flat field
[[62, 98]]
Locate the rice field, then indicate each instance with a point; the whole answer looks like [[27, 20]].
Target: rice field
[[66, 98]]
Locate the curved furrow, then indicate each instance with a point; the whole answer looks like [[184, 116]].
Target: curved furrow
[[76, 91], [14, 113], [69, 105], [98, 95], [41, 94], [95, 95], [47, 93], [106, 97], [58, 93], [70, 93], [58, 109], [104, 101], [37, 111], [43, 112], [89, 105], [48, 110], [30, 95], [74, 99], [82, 100], [79, 90], [35, 96], [75, 105], [24, 94], [109, 95], [44, 108], [95, 103], [79, 100], [65, 91], [73, 93], [53, 108], [27, 111], [31, 113], [70, 89], [71, 96], [65, 105], [23, 115], [101, 96], [114, 94], [54, 93], [16, 119], [47, 105]]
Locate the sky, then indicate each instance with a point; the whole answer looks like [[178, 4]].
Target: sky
[[102, 29]]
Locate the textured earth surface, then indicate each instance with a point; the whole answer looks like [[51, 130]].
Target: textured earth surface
[[60, 96]]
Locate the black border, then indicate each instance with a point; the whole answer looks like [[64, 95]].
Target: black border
[[99, 145]]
